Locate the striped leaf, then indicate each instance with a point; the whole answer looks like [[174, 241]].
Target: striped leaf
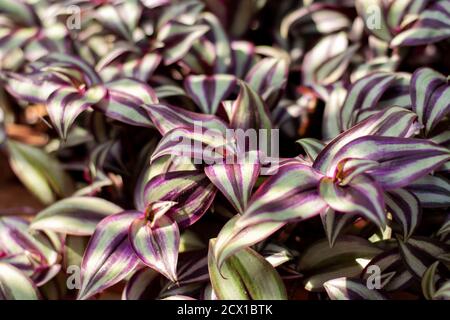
[[347, 289], [389, 262], [178, 39], [364, 94], [249, 110], [200, 58], [313, 19], [209, 91], [331, 117], [400, 11], [31, 87], [201, 144], [430, 95], [372, 12], [219, 37], [166, 118], [290, 195], [20, 11], [169, 90], [110, 17], [328, 60], [394, 122], [232, 237], [13, 41], [26, 251], [401, 160], [361, 196], [334, 223], [268, 77], [69, 64], [419, 253], [243, 53], [398, 93], [312, 147], [186, 10], [245, 276], [155, 239], [14, 285], [125, 102], [432, 25], [190, 189], [65, 104], [350, 168], [109, 257], [141, 68], [74, 216], [235, 181], [405, 209], [160, 166], [41, 173]]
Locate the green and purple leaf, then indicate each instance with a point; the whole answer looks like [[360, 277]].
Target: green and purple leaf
[[155, 239], [209, 91], [109, 257]]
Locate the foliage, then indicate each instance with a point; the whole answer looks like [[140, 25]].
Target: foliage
[[351, 202]]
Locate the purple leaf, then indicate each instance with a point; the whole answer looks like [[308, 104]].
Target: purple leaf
[[334, 223], [432, 25], [209, 91], [290, 195], [249, 110], [178, 39], [361, 196], [268, 76], [235, 181], [392, 122], [14, 285], [402, 160], [125, 102], [167, 118], [155, 239], [430, 95], [364, 94], [405, 209], [233, 237], [190, 189], [242, 57], [75, 215], [66, 103], [109, 257], [201, 144], [432, 191]]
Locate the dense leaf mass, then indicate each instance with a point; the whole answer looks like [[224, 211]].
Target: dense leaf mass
[[221, 149]]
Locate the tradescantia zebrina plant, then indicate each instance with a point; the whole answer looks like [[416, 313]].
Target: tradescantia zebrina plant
[[163, 149]]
